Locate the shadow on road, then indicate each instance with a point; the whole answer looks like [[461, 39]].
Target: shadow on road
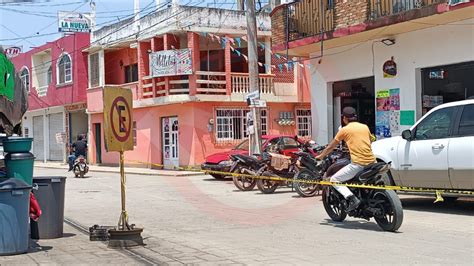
[[357, 225], [462, 206]]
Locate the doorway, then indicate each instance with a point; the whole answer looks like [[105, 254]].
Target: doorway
[[170, 129], [358, 93], [98, 143]]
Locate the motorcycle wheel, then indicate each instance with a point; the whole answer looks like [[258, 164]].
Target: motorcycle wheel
[[333, 205], [304, 189], [243, 183], [392, 211], [267, 186], [76, 171]]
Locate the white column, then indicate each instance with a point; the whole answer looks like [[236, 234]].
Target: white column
[[101, 68], [321, 108], [268, 55], [46, 135]]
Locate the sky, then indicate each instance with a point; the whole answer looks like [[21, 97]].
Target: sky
[[34, 24]]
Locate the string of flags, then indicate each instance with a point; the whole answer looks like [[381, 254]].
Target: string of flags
[[236, 43]]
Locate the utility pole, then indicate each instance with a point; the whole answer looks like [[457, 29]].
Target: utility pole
[[256, 145]]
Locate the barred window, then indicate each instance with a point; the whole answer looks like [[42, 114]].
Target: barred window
[[94, 69], [64, 69], [25, 78], [303, 122], [231, 124]]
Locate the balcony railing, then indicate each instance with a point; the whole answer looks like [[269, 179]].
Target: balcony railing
[[207, 83], [241, 83], [381, 8]]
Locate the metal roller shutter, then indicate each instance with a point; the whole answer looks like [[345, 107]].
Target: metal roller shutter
[[56, 125], [38, 138]]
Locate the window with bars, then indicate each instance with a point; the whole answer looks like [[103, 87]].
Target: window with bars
[[25, 78], [64, 69], [131, 73], [134, 131], [26, 132], [94, 69], [303, 122], [231, 124]]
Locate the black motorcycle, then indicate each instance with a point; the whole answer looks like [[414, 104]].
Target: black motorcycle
[[245, 165], [383, 205]]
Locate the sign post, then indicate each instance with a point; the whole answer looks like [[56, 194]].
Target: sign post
[[118, 106]]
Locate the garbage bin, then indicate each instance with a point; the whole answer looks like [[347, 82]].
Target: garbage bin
[[20, 165], [14, 216], [50, 197]]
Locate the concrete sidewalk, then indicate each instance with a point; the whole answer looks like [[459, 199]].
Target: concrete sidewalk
[[128, 170]]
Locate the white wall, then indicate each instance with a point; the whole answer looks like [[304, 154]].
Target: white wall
[[441, 45]]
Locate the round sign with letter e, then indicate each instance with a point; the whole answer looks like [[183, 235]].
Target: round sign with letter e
[[118, 106]]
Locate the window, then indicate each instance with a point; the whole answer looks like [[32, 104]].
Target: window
[[231, 124], [303, 122], [466, 124], [64, 69], [436, 125], [134, 131], [26, 132], [131, 73], [25, 78], [94, 69], [49, 77]]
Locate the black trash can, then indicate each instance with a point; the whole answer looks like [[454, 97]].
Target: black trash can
[[50, 196]]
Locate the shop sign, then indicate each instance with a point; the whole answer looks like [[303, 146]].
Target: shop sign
[[389, 69], [75, 107], [60, 137], [438, 74], [74, 22], [171, 63], [12, 50]]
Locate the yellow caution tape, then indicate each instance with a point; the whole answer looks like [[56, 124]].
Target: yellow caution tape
[[438, 191]]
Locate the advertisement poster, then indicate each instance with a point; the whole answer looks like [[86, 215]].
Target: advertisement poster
[[394, 118], [171, 63], [394, 99], [390, 69], [388, 113], [382, 129]]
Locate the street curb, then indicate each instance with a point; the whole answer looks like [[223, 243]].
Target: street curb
[[134, 173]]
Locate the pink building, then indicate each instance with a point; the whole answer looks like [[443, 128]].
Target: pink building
[[188, 72], [56, 77]]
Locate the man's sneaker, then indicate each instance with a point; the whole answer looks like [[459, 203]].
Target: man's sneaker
[[70, 169], [354, 202]]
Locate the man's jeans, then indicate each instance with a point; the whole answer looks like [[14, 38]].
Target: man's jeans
[[71, 158], [345, 174]]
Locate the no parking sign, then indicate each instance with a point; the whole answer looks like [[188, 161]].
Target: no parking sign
[[118, 106]]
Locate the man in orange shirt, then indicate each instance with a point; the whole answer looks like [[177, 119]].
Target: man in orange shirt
[[358, 139]]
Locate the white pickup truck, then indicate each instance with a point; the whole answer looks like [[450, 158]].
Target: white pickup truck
[[437, 152]]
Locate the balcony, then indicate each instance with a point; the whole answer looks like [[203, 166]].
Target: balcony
[[207, 83], [298, 26]]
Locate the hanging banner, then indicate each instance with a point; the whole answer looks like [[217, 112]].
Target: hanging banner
[[171, 63]]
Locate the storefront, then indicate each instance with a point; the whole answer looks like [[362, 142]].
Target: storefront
[[448, 83], [416, 72]]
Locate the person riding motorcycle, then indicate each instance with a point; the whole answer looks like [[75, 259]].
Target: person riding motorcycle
[[79, 148], [357, 136]]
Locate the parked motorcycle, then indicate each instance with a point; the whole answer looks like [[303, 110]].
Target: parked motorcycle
[[246, 165], [383, 205], [80, 167], [311, 170], [276, 166]]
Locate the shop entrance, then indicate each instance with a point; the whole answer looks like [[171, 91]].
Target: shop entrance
[[444, 84], [358, 93]]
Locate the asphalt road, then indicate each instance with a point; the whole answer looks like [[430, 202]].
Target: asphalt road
[[199, 220]]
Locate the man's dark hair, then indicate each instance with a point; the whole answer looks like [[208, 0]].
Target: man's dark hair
[[79, 137]]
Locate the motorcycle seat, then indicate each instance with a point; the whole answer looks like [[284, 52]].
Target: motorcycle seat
[[368, 172]]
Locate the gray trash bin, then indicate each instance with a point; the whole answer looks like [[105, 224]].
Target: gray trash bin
[[50, 197], [14, 216]]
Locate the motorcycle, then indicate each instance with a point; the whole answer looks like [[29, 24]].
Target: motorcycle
[[247, 165], [277, 165], [80, 167], [311, 170], [382, 205]]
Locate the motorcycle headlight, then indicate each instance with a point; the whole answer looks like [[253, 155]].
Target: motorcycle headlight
[[226, 163]]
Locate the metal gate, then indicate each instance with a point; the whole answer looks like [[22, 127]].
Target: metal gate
[[56, 125], [38, 137]]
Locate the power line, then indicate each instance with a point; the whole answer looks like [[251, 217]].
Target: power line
[[33, 4]]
